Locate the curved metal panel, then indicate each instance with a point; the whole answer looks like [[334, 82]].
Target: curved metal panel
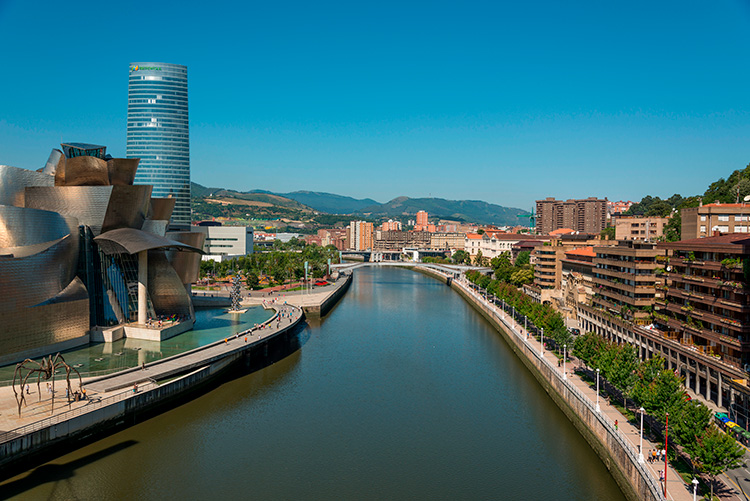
[[56, 158], [13, 182], [30, 280], [37, 329], [161, 208], [133, 241], [88, 204], [186, 264], [84, 171], [128, 207], [27, 227], [166, 290], [122, 170]]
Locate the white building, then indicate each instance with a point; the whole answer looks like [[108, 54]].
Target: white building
[[226, 242]]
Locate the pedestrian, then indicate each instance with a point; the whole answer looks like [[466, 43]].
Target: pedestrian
[[658, 454], [27, 390], [246, 339], [135, 387], [616, 425], [653, 455], [661, 475], [664, 454], [143, 365]]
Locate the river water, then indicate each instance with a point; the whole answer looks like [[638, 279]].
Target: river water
[[402, 392]]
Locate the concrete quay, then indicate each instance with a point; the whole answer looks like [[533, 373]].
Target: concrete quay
[[316, 303], [127, 397], [638, 481]]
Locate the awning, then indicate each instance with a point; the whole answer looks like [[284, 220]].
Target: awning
[[133, 241]]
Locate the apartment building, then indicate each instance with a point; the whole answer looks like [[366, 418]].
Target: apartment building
[[640, 228], [442, 240], [360, 235], [587, 215], [398, 240], [391, 225], [577, 280], [625, 279], [703, 221]]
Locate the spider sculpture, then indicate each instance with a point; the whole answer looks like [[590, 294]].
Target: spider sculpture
[[46, 369]]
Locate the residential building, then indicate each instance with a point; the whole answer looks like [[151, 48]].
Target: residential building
[[444, 240], [587, 215], [158, 133], [640, 228], [422, 218], [619, 207], [398, 240], [577, 280], [702, 221], [391, 225], [360, 235], [625, 279]]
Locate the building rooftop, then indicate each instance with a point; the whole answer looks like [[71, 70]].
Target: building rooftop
[[562, 231], [582, 251]]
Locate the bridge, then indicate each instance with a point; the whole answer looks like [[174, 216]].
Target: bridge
[[451, 270]]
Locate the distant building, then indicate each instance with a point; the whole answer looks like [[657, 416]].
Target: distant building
[[398, 240], [702, 221], [226, 242], [587, 215], [444, 240], [391, 225], [619, 207], [360, 235], [640, 228], [422, 218]]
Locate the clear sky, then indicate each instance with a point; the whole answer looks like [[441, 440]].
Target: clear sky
[[499, 101]]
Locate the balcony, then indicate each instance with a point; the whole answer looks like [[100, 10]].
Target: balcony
[[635, 289], [645, 277]]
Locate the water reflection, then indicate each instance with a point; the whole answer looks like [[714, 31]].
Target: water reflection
[[211, 325]]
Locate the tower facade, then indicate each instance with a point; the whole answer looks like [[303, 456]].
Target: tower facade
[[158, 133]]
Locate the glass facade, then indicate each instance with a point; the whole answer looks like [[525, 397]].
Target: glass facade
[[158, 133]]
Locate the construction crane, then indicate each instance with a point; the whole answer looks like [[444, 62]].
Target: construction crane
[[532, 219]]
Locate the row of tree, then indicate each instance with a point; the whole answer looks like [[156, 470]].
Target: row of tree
[[539, 316], [279, 266], [660, 391]]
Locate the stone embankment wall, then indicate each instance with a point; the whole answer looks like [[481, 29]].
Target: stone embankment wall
[[618, 456], [43, 439], [328, 303]]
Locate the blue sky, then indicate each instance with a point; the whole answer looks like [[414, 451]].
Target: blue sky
[[500, 101]]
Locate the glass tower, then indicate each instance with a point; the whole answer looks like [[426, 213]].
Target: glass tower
[[158, 133]]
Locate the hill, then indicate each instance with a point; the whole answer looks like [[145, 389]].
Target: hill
[[326, 202], [461, 210]]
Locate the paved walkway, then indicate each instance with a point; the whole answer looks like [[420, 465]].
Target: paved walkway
[[676, 489], [115, 387]]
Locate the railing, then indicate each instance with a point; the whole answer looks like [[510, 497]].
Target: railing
[[93, 404], [630, 449]]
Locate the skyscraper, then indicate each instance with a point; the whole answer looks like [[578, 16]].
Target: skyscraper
[[158, 133]]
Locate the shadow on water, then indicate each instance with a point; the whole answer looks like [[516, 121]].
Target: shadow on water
[[51, 472]]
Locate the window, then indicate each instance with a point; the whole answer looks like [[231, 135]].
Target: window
[[724, 218], [703, 229], [703, 218], [723, 229]]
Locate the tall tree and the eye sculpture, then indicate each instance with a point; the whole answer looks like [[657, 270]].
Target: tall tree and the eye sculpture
[[46, 370]]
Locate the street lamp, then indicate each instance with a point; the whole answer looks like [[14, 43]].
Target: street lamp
[[541, 344], [525, 325], [565, 374], [695, 488], [666, 448], [598, 409], [640, 447]]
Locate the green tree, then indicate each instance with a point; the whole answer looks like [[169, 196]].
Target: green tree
[[479, 259], [252, 280], [689, 426], [523, 258], [716, 453], [460, 257], [608, 233]]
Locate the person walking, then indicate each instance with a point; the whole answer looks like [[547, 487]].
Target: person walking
[[616, 427]]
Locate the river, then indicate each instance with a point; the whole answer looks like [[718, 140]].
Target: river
[[402, 392]]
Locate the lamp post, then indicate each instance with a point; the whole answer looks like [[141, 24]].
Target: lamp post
[[666, 447], [565, 348], [525, 325], [640, 447], [598, 409], [541, 344], [695, 488]]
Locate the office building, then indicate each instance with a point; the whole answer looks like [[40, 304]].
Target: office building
[[225, 242], [158, 133]]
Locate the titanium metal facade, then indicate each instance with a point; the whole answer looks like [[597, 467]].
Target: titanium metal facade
[[158, 133]]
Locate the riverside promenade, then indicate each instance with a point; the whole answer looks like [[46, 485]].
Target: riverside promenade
[[612, 444], [677, 489], [110, 398], [318, 301]]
